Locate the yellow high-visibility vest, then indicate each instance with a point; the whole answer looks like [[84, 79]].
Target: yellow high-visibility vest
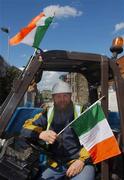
[[50, 114]]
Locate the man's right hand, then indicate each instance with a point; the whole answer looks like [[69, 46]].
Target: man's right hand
[[48, 136]]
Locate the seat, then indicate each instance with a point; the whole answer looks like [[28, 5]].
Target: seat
[[19, 117], [114, 120]]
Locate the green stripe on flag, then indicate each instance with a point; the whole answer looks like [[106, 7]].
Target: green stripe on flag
[[40, 32], [88, 120]]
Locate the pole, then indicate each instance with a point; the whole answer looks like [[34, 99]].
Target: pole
[[8, 48], [7, 31]]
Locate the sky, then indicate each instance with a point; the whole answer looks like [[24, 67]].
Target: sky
[[79, 25]]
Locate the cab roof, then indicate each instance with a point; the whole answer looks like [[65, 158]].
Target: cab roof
[[66, 61]]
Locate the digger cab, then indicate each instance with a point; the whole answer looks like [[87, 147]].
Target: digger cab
[[98, 70]]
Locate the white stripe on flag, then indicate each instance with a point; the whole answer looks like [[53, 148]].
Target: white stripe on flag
[[41, 21], [29, 38], [97, 134]]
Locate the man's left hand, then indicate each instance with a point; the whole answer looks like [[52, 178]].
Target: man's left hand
[[75, 168]]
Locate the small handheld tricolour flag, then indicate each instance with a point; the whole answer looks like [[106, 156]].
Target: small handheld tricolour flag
[[34, 32], [95, 134]]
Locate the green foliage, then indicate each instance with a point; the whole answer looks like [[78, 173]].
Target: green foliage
[[6, 82]]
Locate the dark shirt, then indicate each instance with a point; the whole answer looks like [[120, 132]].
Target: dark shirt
[[67, 145]]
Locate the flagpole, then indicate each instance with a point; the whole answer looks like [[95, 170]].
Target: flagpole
[[81, 114], [29, 62]]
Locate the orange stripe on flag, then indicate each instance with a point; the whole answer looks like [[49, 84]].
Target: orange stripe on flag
[[37, 18], [104, 150], [23, 32]]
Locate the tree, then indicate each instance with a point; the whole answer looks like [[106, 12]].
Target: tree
[[6, 82]]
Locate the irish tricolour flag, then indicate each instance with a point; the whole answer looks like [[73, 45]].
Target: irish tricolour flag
[[95, 134], [34, 32]]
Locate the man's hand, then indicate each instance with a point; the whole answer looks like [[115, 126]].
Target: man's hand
[[48, 136], [75, 168]]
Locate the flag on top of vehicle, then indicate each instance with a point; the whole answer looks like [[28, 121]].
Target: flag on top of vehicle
[[34, 32], [95, 134]]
